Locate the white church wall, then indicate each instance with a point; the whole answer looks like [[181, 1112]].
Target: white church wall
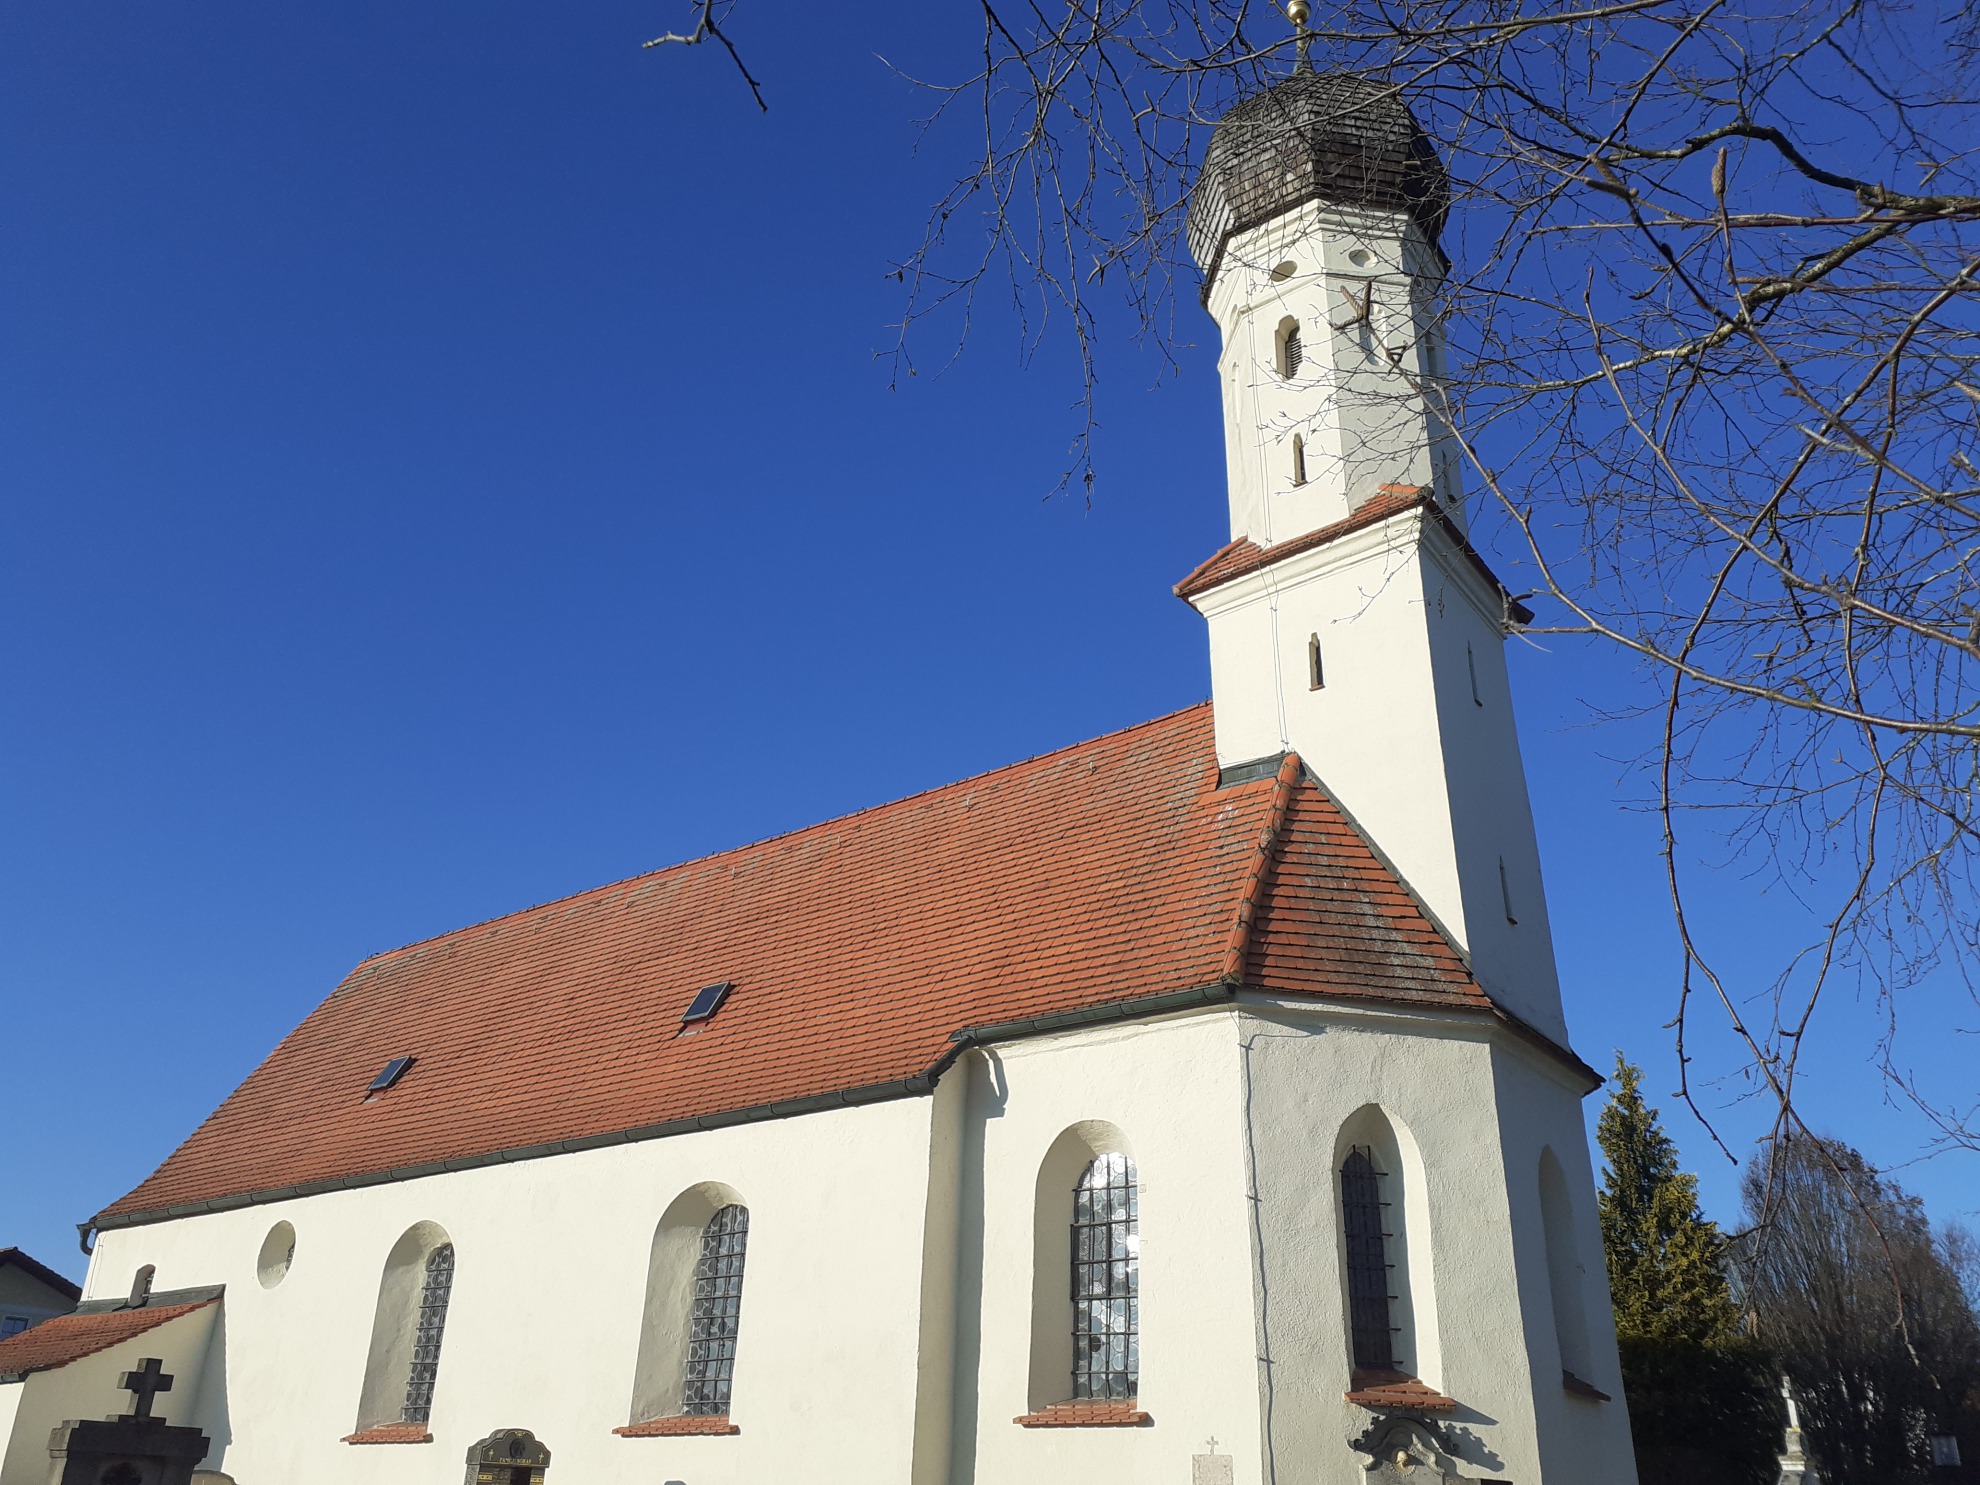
[[938, 1397], [1312, 1073], [87, 1388], [891, 1302], [543, 1327], [1507, 932], [1171, 1090], [1540, 1111], [11, 1395]]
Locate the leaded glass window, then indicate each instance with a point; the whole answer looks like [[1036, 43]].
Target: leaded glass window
[[717, 1314], [1106, 1281], [1363, 1217], [427, 1330]]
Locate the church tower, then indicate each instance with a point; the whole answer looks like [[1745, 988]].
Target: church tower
[[1350, 620]]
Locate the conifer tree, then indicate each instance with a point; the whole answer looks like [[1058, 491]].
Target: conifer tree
[[1666, 1275], [1702, 1404]]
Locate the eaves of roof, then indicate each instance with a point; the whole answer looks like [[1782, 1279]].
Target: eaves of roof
[[1238, 558]]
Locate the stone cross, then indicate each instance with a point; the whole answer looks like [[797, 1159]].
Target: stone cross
[[145, 1384]]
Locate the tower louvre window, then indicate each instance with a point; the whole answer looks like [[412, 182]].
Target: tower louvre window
[[1290, 352], [1369, 1300], [717, 1316]]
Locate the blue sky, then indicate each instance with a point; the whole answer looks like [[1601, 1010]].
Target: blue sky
[[447, 466]]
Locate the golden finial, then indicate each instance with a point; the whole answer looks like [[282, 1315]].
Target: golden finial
[[1298, 12]]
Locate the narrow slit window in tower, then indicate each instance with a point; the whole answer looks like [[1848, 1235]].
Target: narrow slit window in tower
[[1369, 1300], [1299, 460], [1316, 675], [1505, 891], [1471, 665]]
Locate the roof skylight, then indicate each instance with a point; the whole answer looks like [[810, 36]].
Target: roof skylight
[[394, 1070], [707, 1001]]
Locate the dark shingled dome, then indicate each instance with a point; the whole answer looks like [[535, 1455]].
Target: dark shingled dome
[[1317, 136]]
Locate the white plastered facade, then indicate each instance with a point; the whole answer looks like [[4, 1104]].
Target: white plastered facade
[[887, 1318]]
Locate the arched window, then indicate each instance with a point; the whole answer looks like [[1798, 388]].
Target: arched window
[[1289, 351], [1565, 1275], [1364, 1215], [407, 1327], [693, 1313], [1106, 1281], [1299, 460], [430, 1325], [717, 1314]]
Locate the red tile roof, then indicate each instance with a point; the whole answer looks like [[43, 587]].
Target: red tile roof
[[1244, 555], [68, 1338], [1099, 874]]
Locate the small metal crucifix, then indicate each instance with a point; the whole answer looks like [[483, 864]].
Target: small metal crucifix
[[145, 1384]]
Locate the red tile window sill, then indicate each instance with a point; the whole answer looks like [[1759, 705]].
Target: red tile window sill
[[1389, 1391], [1085, 1415], [1575, 1387], [688, 1426], [391, 1433]]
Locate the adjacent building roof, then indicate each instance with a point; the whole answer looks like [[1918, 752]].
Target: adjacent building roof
[[68, 1338], [41, 1273], [1316, 136], [1086, 882]]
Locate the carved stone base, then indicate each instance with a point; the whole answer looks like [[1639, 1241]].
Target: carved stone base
[[105, 1452], [1407, 1451]]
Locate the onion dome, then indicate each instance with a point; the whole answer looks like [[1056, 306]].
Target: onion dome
[[1316, 136]]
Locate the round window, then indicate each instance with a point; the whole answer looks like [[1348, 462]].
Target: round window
[[278, 1251]]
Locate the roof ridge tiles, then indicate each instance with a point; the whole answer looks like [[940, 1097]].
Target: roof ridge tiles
[[573, 899], [1238, 950]]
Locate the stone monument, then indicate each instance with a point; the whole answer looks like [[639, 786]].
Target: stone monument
[[1795, 1468], [508, 1456], [132, 1448]]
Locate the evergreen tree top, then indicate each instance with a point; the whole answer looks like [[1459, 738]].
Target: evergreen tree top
[[1666, 1270]]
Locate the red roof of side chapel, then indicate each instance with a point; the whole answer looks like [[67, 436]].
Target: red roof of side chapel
[[1091, 878], [66, 1338]]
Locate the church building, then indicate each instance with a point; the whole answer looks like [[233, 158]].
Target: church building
[[1194, 1104]]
